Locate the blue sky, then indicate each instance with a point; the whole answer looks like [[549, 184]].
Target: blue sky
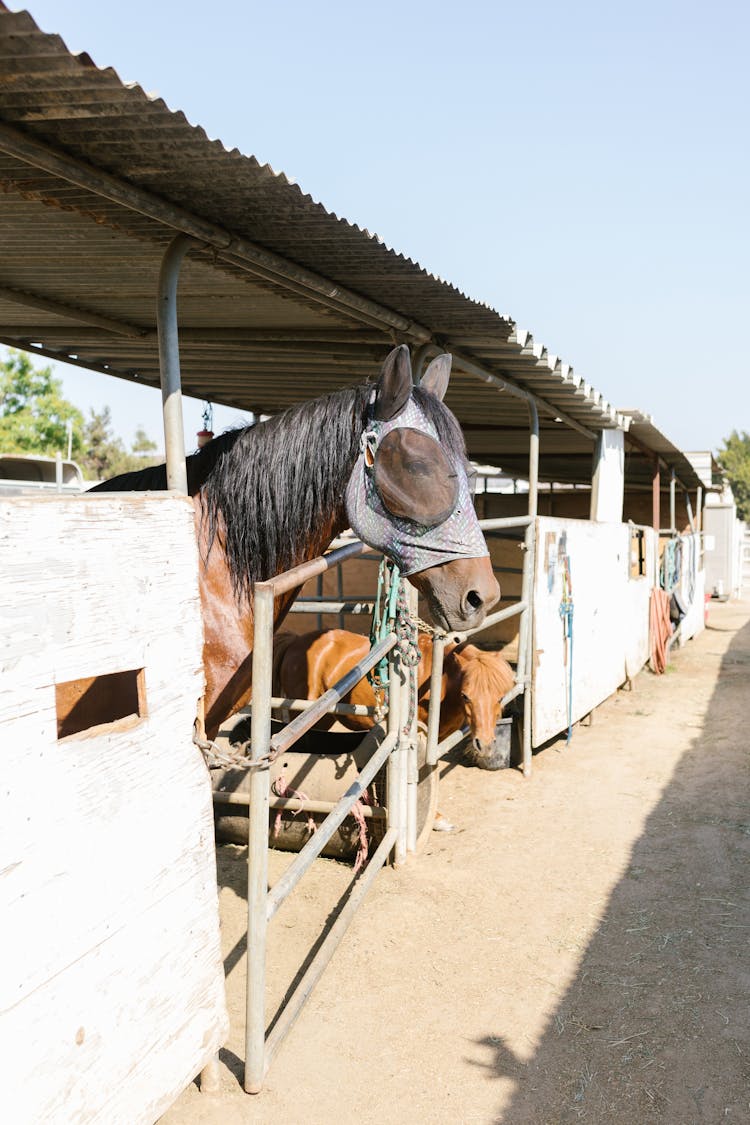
[[582, 167]]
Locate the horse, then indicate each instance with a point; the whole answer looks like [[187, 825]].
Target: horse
[[386, 458], [473, 685]]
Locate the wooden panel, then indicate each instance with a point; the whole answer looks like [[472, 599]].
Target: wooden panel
[[610, 618], [112, 989]]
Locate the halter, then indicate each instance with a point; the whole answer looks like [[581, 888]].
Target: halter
[[411, 545]]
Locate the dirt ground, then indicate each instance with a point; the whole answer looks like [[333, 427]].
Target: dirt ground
[[577, 952]]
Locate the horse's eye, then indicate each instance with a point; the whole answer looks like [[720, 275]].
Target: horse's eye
[[465, 697], [418, 468]]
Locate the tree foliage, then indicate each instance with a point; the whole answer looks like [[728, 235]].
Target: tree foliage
[[734, 459], [34, 415], [104, 455]]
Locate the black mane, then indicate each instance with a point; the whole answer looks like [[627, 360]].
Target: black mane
[[267, 486]]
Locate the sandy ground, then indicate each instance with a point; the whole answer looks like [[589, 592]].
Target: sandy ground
[[578, 952]]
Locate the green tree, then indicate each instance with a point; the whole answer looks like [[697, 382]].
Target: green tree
[[34, 415], [734, 459], [142, 443], [104, 455], [100, 448]]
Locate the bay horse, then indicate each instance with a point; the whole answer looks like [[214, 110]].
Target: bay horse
[[385, 458], [473, 685]]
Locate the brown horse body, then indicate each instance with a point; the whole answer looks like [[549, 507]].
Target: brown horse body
[[473, 685], [272, 496], [228, 648]]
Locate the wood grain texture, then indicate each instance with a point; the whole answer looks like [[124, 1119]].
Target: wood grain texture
[[111, 983]]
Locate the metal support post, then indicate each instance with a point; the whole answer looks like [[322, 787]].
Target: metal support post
[[257, 849], [525, 666], [412, 759], [436, 690], [656, 496], [395, 773], [169, 362], [672, 503], [418, 360]]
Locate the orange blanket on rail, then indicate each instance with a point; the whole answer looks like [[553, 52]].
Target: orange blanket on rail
[[660, 629]]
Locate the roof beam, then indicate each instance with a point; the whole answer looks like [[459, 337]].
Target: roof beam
[[70, 312], [305, 343], [227, 246]]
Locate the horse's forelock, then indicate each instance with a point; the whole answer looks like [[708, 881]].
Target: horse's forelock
[[486, 673]]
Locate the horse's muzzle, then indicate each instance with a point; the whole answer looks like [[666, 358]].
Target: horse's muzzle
[[459, 593]]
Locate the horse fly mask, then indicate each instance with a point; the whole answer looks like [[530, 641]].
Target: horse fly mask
[[410, 498]]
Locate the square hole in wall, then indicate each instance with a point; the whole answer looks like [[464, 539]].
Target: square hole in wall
[[116, 699]]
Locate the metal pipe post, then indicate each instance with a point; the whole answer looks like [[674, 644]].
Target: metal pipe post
[[395, 774], [699, 508], [169, 362], [257, 848], [420, 355], [436, 690], [656, 495], [525, 666], [412, 758], [672, 503]]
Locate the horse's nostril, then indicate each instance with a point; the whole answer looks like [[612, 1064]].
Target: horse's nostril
[[474, 599]]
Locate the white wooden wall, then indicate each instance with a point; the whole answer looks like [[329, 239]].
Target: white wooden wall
[[111, 981], [610, 618], [692, 587]]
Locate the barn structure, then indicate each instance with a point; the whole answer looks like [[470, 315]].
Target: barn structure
[[116, 214]]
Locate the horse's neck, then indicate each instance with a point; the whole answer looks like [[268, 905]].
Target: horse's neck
[[228, 624]]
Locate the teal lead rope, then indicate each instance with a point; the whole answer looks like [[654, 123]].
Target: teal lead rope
[[383, 620], [391, 613], [566, 614]]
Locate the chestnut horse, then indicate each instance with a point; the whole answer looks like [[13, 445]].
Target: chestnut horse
[[473, 686], [272, 496]]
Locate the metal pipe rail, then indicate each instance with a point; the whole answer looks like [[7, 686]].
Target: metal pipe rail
[[296, 804], [312, 714], [314, 846], [492, 619], [323, 605], [296, 1001], [280, 702]]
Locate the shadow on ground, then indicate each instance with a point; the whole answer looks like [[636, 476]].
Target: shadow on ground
[[655, 1026]]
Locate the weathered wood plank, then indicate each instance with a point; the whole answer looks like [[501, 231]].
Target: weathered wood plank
[[111, 984]]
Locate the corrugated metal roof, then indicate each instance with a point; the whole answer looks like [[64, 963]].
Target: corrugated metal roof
[[281, 300], [643, 431]]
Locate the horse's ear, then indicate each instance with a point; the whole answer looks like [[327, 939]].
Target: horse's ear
[[435, 378], [394, 384]]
